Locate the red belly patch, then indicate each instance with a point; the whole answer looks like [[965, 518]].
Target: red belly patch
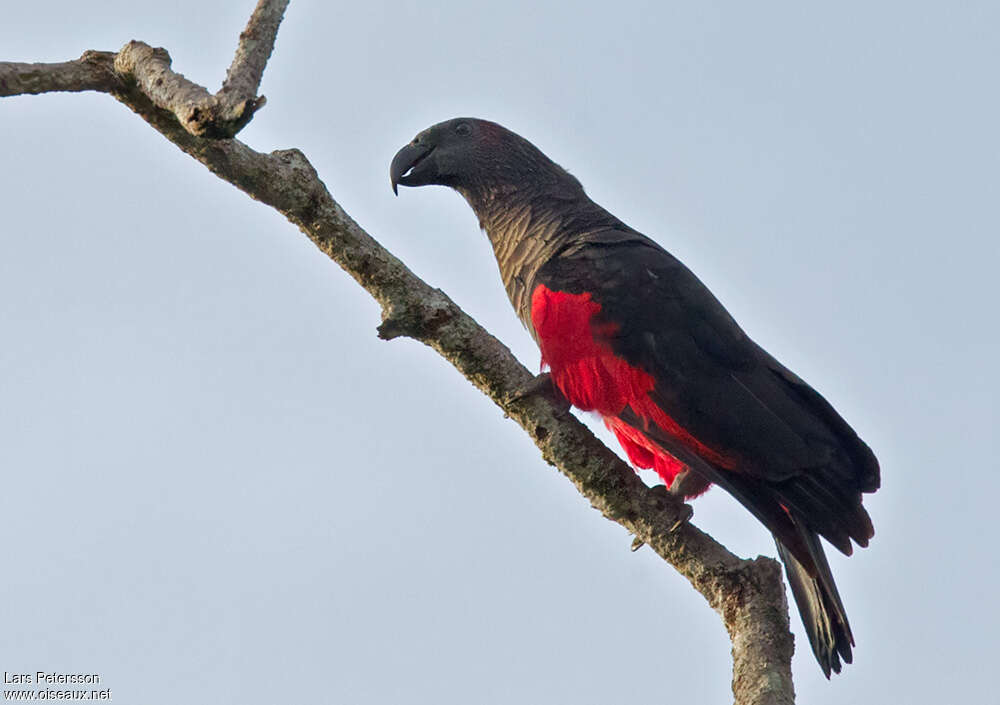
[[642, 453], [576, 350]]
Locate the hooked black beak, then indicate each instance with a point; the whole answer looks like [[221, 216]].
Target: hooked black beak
[[403, 169]]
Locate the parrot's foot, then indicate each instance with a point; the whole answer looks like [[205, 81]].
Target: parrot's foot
[[539, 385], [684, 516], [670, 498]]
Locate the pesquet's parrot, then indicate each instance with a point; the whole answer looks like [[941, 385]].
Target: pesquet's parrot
[[628, 332]]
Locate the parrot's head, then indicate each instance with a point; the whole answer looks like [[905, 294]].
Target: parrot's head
[[473, 156]]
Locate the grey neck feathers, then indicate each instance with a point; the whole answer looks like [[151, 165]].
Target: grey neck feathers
[[528, 229]]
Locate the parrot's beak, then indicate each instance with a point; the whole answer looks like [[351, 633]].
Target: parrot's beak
[[405, 168]]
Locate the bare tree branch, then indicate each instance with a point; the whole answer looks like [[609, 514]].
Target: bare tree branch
[[252, 54], [198, 111], [193, 106], [749, 595], [91, 72]]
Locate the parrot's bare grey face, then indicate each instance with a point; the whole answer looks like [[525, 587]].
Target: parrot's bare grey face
[[446, 154], [473, 156]]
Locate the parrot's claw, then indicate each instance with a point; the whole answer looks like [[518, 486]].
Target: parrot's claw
[[667, 498], [684, 516], [637, 543], [539, 385]]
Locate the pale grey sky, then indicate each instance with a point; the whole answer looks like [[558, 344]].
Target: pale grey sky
[[218, 484]]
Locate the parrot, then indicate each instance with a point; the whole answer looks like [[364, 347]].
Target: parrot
[[628, 332]]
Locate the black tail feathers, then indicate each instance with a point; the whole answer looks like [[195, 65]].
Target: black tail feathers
[[819, 604]]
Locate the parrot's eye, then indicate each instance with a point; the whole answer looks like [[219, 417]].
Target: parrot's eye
[[463, 128]]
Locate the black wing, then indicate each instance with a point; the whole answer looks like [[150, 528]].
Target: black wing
[[792, 451], [795, 463]]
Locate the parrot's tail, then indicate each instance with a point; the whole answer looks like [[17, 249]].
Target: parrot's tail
[[819, 604]]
